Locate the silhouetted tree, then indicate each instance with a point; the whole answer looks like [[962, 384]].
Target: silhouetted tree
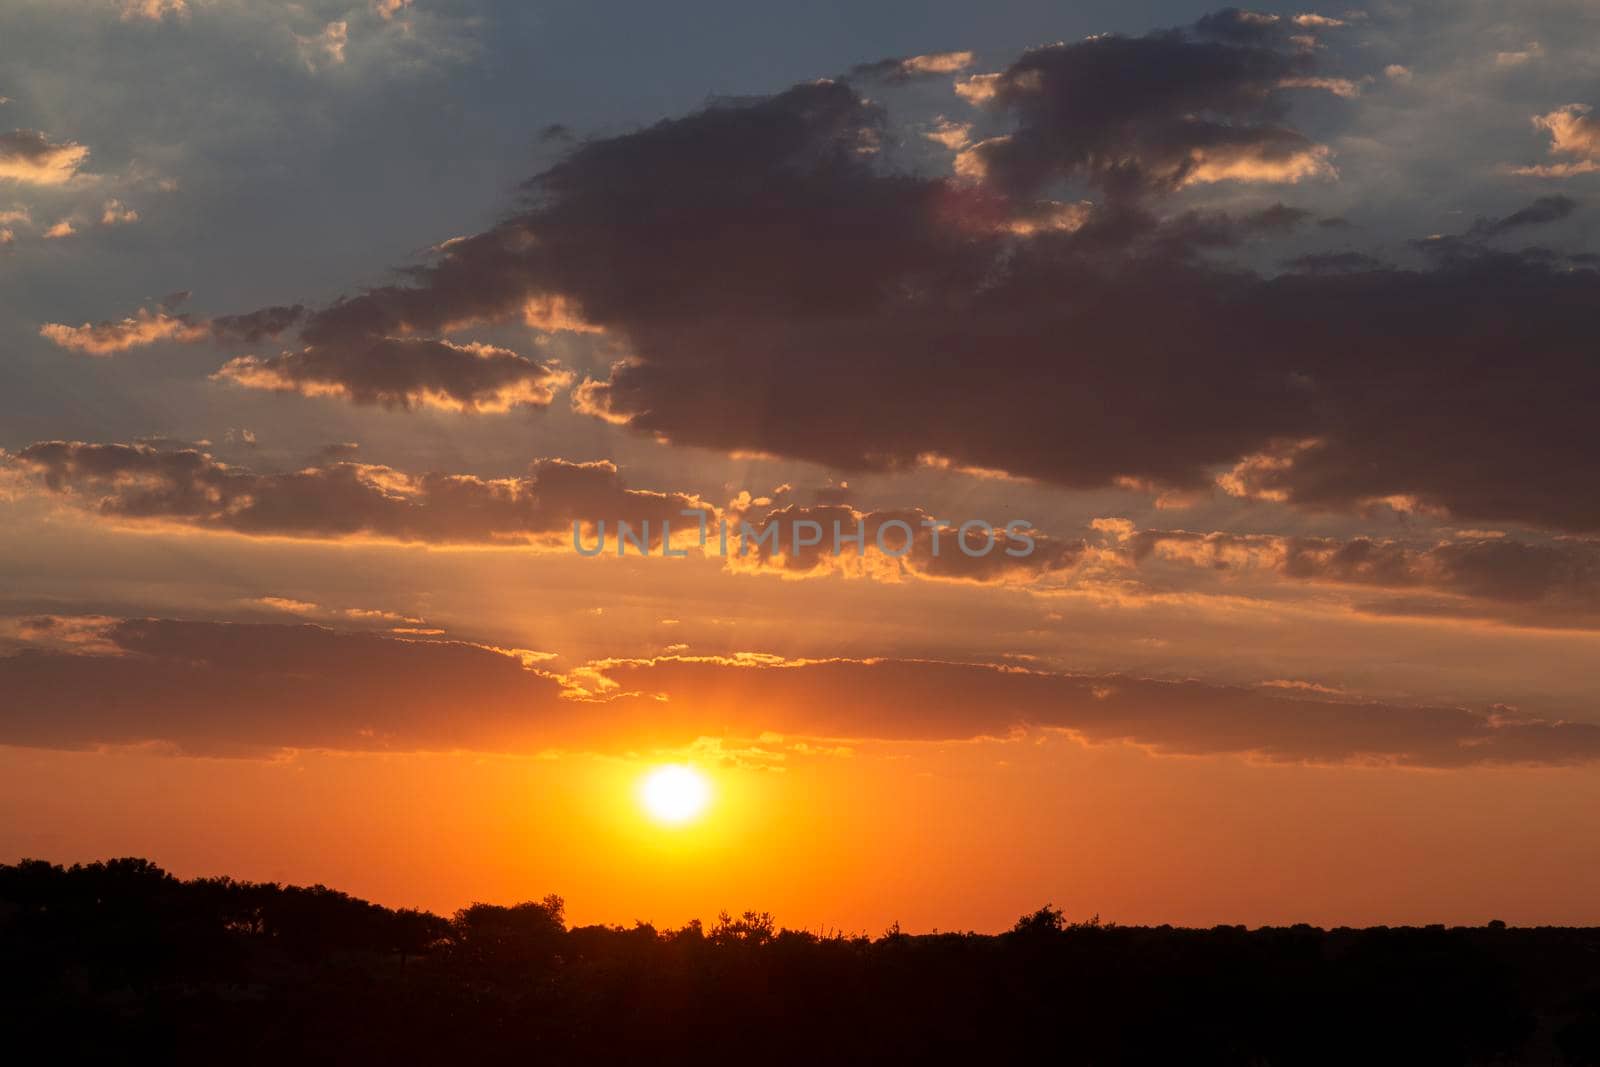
[[120, 961]]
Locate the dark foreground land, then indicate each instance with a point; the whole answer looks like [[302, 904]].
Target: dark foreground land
[[124, 963]]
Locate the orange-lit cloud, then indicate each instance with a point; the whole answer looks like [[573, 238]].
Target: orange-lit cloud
[[146, 327], [405, 372], [143, 327], [1572, 133], [31, 158], [154, 10], [326, 48], [915, 66], [1260, 162], [116, 213]]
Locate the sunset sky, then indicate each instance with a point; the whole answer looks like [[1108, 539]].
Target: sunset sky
[[322, 323]]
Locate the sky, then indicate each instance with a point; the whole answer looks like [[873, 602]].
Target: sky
[[334, 336]]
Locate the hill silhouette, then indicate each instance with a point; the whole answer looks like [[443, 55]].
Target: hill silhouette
[[123, 961]]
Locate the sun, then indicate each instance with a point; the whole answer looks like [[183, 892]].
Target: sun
[[674, 794]]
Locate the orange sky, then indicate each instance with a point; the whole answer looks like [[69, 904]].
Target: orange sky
[[949, 836]]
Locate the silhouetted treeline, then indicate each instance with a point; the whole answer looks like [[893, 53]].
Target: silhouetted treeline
[[122, 962]]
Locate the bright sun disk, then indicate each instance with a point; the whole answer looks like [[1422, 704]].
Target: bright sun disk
[[674, 794]]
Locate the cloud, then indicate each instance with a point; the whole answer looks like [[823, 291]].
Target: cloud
[[116, 213], [918, 699], [31, 158], [229, 690], [393, 620], [1572, 133], [899, 70], [388, 9], [148, 327], [256, 326], [1238, 26], [143, 327], [63, 228], [341, 500], [338, 451], [326, 48], [1545, 210], [775, 290], [1134, 115], [201, 687], [405, 373], [905, 541], [1337, 86], [179, 483], [154, 10], [1545, 585], [953, 135], [1335, 263], [1516, 59]]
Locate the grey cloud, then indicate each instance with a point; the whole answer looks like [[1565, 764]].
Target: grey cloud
[[1551, 584], [1546, 209], [223, 689], [256, 326], [340, 499], [780, 288]]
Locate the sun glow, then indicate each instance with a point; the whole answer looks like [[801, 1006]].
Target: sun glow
[[674, 794]]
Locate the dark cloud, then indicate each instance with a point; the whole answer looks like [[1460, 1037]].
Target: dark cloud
[[1544, 210], [342, 500], [1132, 115], [779, 288], [906, 699], [337, 451], [256, 326], [252, 689], [1335, 263], [1552, 584]]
